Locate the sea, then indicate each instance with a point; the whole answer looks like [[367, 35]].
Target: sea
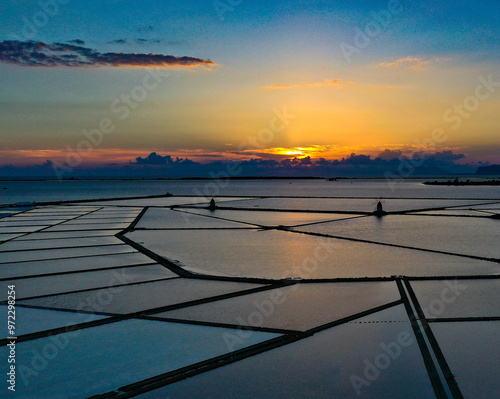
[[15, 192]]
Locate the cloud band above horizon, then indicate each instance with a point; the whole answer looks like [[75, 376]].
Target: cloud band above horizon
[[40, 54], [323, 83]]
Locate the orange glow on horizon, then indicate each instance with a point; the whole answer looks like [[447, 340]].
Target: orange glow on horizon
[[121, 157]]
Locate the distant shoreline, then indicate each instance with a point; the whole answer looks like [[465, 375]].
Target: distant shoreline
[[199, 178], [463, 183]]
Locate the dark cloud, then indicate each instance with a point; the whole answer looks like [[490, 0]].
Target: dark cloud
[[156, 165], [156, 159], [448, 156], [41, 54], [78, 42], [306, 161], [354, 159], [353, 165], [144, 41], [118, 41], [148, 28], [387, 155]]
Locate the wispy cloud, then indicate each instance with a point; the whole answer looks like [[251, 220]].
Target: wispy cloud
[[323, 83], [407, 62], [77, 41], [142, 40], [412, 62], [39, 54], [118, 41]]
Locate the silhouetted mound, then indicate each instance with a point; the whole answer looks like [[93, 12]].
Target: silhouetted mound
[[488, 170]]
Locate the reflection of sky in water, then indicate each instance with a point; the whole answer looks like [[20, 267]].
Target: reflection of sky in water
[[31, 320], [278, 254], [458, 298], [167, 219], [105, 358], [320, 366], [42, 244], [22, 256], [299, 307], [317, 366], [271, 218], [36, 286], [344, 204], [13, 270], [143, 296], [470, 349], [470, 236]]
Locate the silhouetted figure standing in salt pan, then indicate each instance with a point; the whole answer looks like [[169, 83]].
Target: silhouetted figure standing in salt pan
[[380, 211], [212, 205]]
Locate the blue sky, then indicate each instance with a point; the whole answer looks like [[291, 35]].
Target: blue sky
[[391, 94]]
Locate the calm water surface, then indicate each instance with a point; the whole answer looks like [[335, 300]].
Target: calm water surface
[[12, 192]]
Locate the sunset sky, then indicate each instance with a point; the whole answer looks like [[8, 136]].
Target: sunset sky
[[261, 79]]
